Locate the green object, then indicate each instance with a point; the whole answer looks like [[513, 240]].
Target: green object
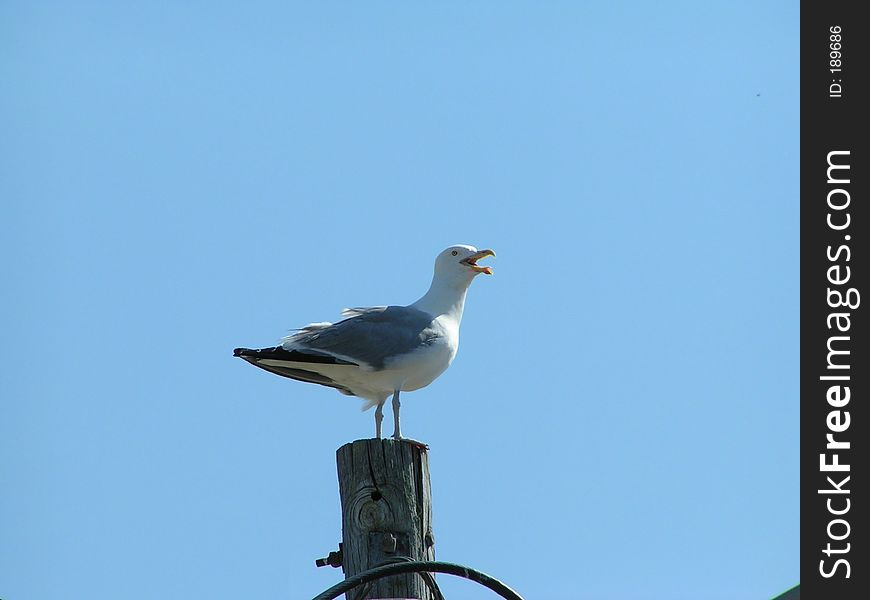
[[790, 594]]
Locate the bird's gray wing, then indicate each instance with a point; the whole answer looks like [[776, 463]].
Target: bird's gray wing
[[371, 338]]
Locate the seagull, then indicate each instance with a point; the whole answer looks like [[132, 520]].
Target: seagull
[[378, 352]]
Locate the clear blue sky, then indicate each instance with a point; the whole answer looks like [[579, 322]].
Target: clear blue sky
[[177, 179]]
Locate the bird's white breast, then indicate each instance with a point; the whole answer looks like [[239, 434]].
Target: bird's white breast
[[421, 367]]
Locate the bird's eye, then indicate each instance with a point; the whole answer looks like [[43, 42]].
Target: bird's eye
[[454, 253]]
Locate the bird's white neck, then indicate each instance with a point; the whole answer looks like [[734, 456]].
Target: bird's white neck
[[445, 297]]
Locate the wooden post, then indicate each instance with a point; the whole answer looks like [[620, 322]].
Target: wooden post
[[386, 511]]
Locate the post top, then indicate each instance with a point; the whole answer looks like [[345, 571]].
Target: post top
[[421, 446]]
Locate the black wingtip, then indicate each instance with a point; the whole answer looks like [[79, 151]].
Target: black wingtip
[[247, 353], [279, 353]]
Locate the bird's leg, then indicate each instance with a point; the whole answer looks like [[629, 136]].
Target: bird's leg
[[397, 432], [379, 417]]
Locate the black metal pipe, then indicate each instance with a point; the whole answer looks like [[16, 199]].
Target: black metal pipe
[[416, 567]]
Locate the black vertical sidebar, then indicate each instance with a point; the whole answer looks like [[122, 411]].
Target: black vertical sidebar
[[835, 369]]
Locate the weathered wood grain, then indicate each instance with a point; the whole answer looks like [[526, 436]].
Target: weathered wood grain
[[386, 505]]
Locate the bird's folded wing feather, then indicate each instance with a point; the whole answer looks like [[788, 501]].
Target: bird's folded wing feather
[[370, 338], [356, 311]]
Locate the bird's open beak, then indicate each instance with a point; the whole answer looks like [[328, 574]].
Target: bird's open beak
[[471, 261]]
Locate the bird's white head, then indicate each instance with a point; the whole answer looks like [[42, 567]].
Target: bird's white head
[[460, 263], [455, 268]]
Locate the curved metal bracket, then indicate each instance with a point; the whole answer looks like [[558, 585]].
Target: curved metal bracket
[[416, 567]]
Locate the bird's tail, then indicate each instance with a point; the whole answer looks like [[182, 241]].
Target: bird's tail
[[301, 366]]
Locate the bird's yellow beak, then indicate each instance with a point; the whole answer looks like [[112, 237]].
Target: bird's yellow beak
[[471, 261]]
